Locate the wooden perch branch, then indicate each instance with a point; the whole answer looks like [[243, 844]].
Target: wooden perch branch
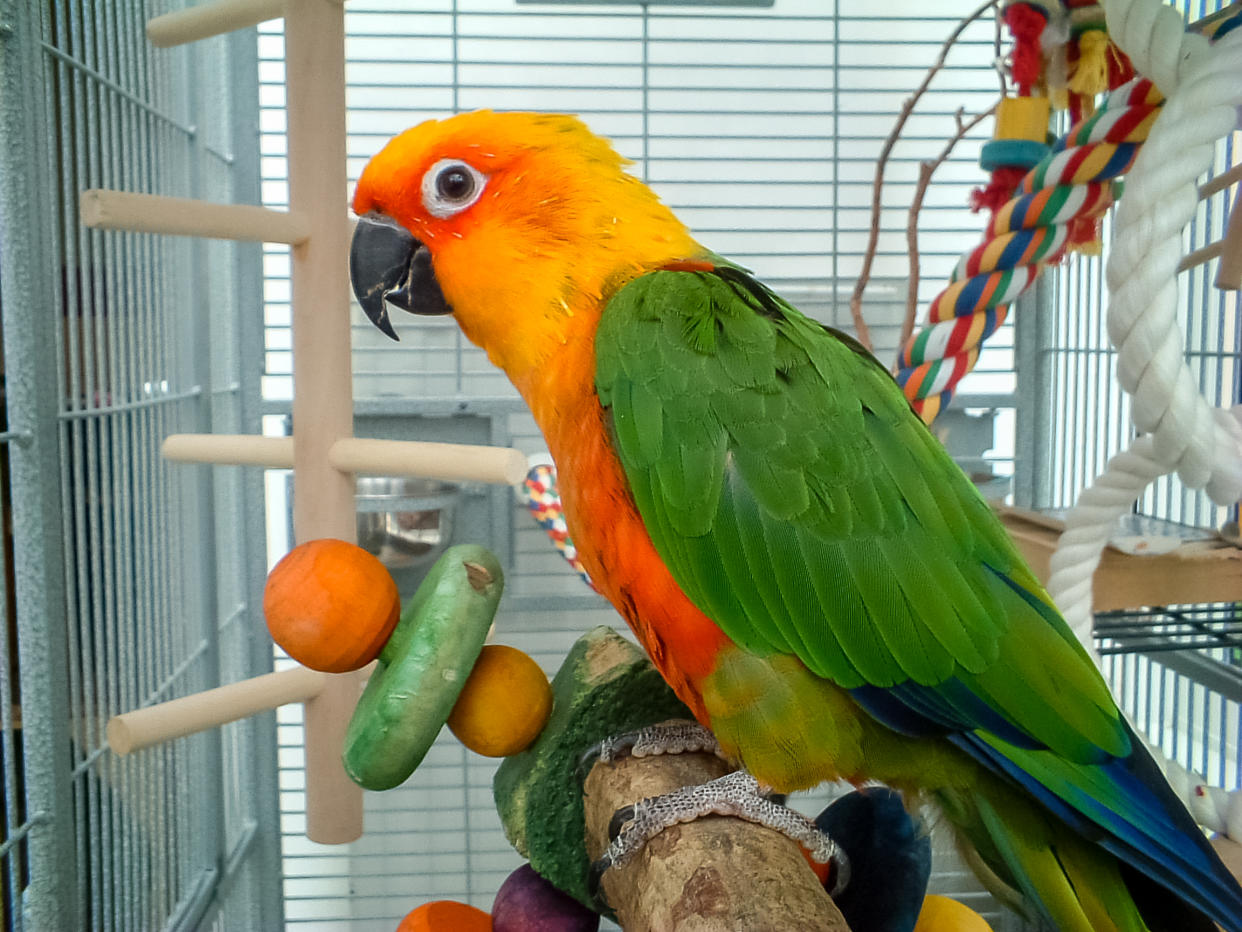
[[713, 873]]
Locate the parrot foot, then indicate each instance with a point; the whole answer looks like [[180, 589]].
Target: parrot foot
[[736, 794], [665, 738]]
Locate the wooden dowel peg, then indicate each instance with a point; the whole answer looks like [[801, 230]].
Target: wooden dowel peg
[[1229, 272], [1228, 249], [1221, 181], [230, 449], [152, 213], [155, 724], [333, 800], [1201, 255], [451, 461], [210, 19]]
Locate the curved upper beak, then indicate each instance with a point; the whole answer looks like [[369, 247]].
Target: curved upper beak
[[388, 265]]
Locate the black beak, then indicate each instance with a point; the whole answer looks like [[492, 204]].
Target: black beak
[[387, 264]]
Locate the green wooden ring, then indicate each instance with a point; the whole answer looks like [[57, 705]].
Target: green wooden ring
[[423, 667]]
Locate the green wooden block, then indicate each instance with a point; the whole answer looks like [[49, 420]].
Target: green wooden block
[[606, 686]]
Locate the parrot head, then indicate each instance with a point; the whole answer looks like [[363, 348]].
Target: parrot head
[[515, 223]]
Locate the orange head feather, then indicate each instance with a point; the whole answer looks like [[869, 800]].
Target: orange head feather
[[556, 226]]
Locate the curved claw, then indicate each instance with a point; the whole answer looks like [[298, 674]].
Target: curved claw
[[608, 750], [595, 880], [840, 873], [667, 738], [619, 820], [587, 760]]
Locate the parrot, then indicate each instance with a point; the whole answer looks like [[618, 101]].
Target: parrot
[[801, 559]]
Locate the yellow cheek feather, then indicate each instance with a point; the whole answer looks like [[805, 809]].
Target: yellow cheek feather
[[508, 299]]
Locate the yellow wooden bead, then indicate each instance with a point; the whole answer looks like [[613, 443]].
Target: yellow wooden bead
[[1023, 118], [504, 705], [941, 914]]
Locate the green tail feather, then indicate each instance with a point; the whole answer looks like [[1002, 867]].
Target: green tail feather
[[1065, 880]]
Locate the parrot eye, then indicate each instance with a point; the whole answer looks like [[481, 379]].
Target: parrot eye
[[450, 186]]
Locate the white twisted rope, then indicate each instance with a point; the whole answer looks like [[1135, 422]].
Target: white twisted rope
[[1182, 432]]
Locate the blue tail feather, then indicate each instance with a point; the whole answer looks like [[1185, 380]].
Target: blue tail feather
[[1128, 809]]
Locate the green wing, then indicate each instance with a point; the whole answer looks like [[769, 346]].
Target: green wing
[[801, 504]]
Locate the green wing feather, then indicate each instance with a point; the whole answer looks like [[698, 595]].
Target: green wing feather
[[801, 504]]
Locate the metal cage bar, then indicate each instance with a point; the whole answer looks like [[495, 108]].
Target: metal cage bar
[[38, 827], [133, 582]]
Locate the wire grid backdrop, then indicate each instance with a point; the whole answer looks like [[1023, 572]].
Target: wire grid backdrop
[[761, 127], [145, 336], [1176, 670]]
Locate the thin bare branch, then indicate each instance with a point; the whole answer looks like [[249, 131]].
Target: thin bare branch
[[864, 334], [926, 169]]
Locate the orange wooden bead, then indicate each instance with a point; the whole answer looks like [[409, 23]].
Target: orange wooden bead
[[446, 916], [331, 605]]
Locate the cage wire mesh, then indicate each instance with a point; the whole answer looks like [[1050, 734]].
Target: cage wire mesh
[[148, 576]]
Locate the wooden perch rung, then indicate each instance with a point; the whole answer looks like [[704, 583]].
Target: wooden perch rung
[[1197, 257], [1221, 181], [450, 461], [230, 450], [210, 19], [1229, 272], [142, 728], [453, 461], [1229, 247], [180, 216]]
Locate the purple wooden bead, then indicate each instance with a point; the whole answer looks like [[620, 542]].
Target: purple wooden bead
[[528, 903]]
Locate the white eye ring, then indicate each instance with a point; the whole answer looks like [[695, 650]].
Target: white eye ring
[[450, 186]]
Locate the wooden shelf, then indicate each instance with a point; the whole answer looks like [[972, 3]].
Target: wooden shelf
[[1197, 571]]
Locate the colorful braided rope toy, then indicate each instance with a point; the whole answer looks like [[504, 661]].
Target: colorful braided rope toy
[[541, 497], [1073, 183], [1057, 204]]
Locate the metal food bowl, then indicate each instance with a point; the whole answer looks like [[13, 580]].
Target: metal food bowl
[[405, 522]]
